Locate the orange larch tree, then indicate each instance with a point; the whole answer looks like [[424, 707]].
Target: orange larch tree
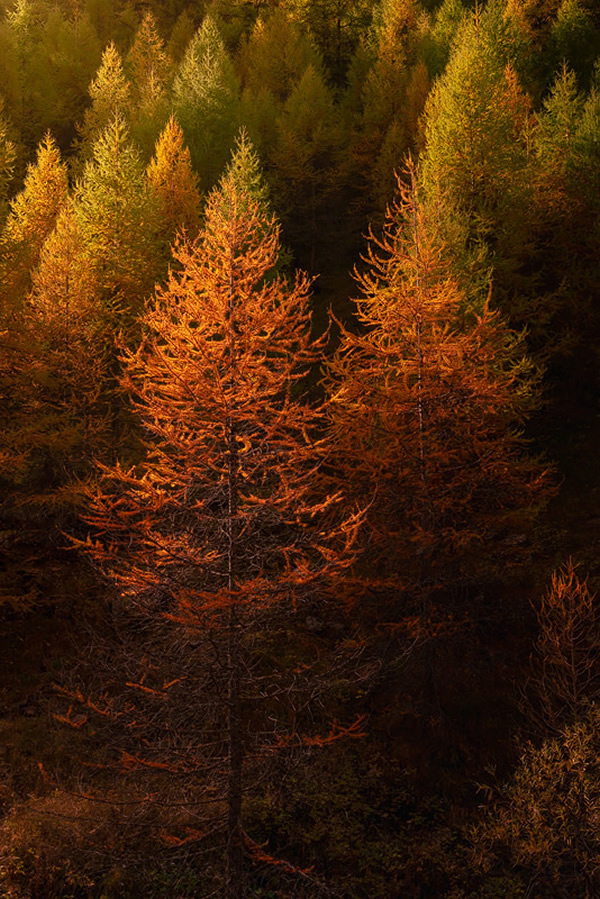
[[566, 670], [427, 401], [224, 526]]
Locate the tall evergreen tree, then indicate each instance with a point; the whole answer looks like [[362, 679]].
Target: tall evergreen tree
[[206, 102], [391, 94], [426, 405], [110, 94], [182, 33], [174, 186], [65, 59], [147, 60], [476, 164], [305, 159], [22, 34], [31, 218], [117, 220], [58, 422], [446, 23], [574, 40], [224, 523], [8, 156], [275, 55], [566, 152], [475, 145], [149, 70]]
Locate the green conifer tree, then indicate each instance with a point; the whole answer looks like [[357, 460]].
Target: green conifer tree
[[305, 159], [475, 146], [574, 40], [117, 220], [446, 23], [8, 157], [391, 95], [110, 94], [149, 68], [66, 57], [476, 164], [181, 35], [275, 55], [206, 102], [566, 149], [23, 23]]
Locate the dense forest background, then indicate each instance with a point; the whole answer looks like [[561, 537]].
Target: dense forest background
[[299, 369]]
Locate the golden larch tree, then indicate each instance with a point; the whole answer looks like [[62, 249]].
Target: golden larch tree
[[54, 385], [174, 185], [427, 401], [110, 93], [31, 218], [225, 523]]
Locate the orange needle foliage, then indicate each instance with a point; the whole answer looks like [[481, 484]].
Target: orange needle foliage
[[217, 385], [426, 404], [225, 518]]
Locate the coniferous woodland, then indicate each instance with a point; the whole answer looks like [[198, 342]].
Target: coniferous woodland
[[299, 539]]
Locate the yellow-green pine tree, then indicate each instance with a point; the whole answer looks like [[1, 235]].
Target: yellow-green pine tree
[[206, 102], [110, 94], [148, 67], [117, 221]]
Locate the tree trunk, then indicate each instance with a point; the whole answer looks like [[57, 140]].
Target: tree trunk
[[234, 858], [234, 853]]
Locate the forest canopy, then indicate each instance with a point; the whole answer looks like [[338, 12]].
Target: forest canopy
[[298, 394]]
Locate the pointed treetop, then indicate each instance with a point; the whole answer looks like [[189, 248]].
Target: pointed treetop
[[109, 86], [116, 216], [275, 54], [560, 116], [110, 95], [110, 150], [206, 101], [174, 183], [243, 174], [31, 218], [205, 54], [33, 210], [147, 61], [64, 286]]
